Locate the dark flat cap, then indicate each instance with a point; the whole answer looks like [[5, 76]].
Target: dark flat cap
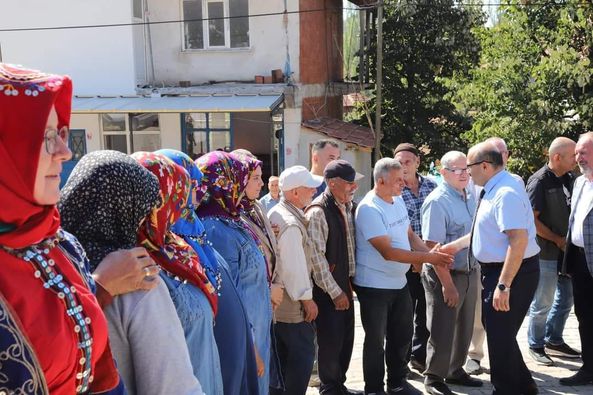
[[343, 169], [406, 147]]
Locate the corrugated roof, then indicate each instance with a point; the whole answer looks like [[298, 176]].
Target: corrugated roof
[[191, 103], [343, 131]]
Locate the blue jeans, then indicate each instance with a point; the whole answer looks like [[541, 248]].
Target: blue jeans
[[197, 320], [550, 307]]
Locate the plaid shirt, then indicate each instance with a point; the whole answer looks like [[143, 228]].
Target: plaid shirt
[[414, 203], [318, 231]]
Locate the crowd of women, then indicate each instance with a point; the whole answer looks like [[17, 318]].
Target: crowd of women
[[146, 274]]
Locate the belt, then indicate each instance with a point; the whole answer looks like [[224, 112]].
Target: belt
[[500, 264], [491, 264]]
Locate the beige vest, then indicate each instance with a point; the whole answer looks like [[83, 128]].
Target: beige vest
[[291, 311]]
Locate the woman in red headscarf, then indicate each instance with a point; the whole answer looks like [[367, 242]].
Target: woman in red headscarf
[[46, 291]]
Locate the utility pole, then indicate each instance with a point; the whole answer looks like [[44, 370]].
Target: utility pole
[[379, 82]]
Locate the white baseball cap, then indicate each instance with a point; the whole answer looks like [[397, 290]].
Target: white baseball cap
[[298, 176]]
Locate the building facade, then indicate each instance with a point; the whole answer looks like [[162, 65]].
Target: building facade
[[182, 74]]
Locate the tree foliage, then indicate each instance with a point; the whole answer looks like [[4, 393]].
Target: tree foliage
[[426, 43], [534, 79]]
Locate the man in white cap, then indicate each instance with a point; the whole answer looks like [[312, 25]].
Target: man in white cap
[[294, 330]]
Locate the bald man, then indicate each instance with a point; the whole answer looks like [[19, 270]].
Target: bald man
[[503, 241], [549, 191], [501, 146]]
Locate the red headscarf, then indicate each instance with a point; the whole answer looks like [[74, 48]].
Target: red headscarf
[[26, 99], [170, 251]]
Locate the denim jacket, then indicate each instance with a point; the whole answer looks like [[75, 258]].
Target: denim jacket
[[248, 270]]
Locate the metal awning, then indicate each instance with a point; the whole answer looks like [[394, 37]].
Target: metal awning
[[177, 104]]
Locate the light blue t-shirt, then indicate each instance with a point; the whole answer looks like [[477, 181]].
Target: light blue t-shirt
[[375, 217], [505, 206]]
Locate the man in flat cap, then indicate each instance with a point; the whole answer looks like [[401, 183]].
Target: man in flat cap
[[331, 228], [416, 189]]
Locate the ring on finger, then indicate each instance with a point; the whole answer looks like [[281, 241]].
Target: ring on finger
[[147, 271]]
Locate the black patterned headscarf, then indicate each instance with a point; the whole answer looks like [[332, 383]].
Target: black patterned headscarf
[[105, 199]]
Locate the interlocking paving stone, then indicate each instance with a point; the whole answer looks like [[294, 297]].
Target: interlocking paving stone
[[546, 377]]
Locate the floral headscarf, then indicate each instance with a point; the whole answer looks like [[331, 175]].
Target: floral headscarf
[[170, 251], [247, 204], [26, 99], [106, 197], [223, 185], [189, 225]]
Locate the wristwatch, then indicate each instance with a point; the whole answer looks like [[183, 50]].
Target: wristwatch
[[503, 288]]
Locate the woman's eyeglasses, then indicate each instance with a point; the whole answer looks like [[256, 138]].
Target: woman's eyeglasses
[[51, 138]]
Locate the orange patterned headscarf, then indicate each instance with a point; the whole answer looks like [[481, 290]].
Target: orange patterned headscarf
[[170, 251]]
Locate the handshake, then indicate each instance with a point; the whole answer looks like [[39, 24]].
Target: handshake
[[439, 255]]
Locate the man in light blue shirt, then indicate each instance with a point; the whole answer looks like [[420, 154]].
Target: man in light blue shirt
[[271, 198], [503, 241], [451, 295]]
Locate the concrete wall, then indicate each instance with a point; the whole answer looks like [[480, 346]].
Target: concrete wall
[[170, 130], [359, 158], [273, 39], [100, 61], [90, 123]]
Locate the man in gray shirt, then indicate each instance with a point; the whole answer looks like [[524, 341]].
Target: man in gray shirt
[[451, 294]]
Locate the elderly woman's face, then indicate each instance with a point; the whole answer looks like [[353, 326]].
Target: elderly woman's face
[[254, 185], [46, 190]]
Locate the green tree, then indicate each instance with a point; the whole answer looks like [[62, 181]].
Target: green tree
[[426, 43], [351, 44], [534, 79]]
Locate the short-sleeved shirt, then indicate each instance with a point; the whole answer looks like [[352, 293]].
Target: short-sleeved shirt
[[374, 218], [550, 195], [505, 206], [414, 203], [268, 202], [446, 216]]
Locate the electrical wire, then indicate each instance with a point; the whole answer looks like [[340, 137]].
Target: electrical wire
[[108, 25], [361, 8]]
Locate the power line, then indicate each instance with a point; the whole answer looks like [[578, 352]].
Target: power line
[[361, 8], [107, 25]]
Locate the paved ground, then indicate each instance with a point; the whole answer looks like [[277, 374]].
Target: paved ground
[[546, 377]]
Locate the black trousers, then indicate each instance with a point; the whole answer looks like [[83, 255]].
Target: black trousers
[[386, 316], [582, 288], [508, 373], [421, 334], [335, 338], [296, 352]]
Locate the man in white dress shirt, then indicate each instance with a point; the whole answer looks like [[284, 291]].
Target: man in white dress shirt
[[578, 260]]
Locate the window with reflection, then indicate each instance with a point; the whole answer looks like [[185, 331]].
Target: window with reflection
[[205, 132], [213, 24]]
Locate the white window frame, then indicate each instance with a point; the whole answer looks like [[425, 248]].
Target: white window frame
[[206, 30], [127, 133]]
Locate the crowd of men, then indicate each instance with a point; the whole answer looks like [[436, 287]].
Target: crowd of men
[[437, 267]]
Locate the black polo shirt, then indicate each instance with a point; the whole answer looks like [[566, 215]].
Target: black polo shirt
[[550, 195]]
